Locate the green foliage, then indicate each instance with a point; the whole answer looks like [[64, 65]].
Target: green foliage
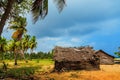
[[7, 48], [24, 71], [28, 56], [17, 9], [3, 42], [18, 73], [40, 8], [37, 61], [117, 53], [5, 66], [41, 55]]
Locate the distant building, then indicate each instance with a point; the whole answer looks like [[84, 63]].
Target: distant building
[[75, 59], [105, 58]]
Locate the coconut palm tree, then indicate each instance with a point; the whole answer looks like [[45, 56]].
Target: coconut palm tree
[[32, 43], [13, 47], [18, 25], [25, 44], [3, 43]]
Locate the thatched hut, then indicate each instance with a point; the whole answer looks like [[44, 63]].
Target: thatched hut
[[105, 58], [75, 59]]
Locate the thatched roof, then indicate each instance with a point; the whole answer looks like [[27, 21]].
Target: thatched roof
[[73, 54], [96, 52]]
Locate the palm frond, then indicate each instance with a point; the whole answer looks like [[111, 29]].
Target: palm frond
[[39, 9], [45, 8], [60, 4], [14, 27], [19, 1]]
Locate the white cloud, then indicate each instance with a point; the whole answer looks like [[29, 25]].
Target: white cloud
[[77, 40], [64, 44]]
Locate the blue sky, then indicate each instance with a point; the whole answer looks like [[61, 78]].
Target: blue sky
[[82, 22]]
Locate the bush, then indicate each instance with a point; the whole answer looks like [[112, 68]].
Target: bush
[[2, 74], [19, 73]]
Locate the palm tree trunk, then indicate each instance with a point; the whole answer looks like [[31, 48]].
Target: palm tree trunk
[[22, 54], [6, 14], [15, 56], [15, 60]]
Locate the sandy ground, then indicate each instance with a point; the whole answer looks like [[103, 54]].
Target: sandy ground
[[107, 72]]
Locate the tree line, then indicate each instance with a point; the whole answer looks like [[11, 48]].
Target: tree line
[[28, 56], [15, 47]]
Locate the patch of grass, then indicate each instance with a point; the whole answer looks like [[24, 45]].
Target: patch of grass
[[33, 63], [116, 58], [19, 73], [23, 69], [45, 62]]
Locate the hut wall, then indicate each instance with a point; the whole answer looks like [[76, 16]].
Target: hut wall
[[76, 65], [105, 59]]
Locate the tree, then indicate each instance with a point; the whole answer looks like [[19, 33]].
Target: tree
[[3, 43], [18, 25], [32, 43], [25, 44], [5, 15], [13, 8], [11, 48], [118, 53]]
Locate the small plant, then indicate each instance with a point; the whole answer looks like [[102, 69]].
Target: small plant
[[2, 74], [37, 61], [5, 66], [26, 61]]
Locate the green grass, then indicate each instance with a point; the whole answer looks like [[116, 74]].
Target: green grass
[[31, 63], [38, 65], [34, 62]]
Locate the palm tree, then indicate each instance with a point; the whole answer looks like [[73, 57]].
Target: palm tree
[[25, 44], [18, 25], [13, 47], [3, 43], [32, 43], [6, 13]]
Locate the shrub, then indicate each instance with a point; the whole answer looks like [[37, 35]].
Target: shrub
[[18, 73], [2, 74]]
